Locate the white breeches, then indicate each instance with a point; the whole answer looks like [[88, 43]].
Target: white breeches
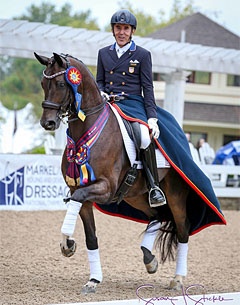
[[145, 137]]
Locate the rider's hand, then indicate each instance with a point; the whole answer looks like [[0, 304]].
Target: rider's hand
[[152, 123], [105, 96]]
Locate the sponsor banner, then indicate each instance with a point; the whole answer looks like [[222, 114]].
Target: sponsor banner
[[31, 182]]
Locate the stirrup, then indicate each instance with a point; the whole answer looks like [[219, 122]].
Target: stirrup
[[157, 204]]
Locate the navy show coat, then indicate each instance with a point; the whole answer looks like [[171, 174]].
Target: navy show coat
[[130, 74]]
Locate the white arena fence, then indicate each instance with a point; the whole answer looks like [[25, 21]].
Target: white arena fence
[[31, 182], [35, 182]]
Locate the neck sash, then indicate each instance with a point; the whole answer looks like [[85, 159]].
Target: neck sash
[[78, 154]]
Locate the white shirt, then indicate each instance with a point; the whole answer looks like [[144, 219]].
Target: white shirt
[[121, 51]]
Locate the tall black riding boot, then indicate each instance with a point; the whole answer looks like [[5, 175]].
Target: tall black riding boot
[[156, 195]]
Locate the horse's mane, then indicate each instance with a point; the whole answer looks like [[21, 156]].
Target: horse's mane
[[83, 64]]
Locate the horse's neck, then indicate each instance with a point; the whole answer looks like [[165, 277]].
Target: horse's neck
[[90, 94], [92, 106], [91, 99]]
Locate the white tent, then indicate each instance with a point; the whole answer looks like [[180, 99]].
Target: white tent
[[19, 132]]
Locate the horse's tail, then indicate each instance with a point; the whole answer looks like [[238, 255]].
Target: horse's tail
[[167, 241]]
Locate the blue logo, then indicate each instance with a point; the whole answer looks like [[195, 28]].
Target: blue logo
[[11, 188]]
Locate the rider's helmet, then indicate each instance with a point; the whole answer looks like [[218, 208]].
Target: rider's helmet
[[124, 17]]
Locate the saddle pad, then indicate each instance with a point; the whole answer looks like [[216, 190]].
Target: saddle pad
[[130, 147]]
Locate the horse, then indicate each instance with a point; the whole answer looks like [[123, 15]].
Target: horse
[[71, 92]]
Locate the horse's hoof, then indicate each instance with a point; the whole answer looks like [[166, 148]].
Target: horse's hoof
[[90, 287], [71, 248], [176, 283], [152, 267]]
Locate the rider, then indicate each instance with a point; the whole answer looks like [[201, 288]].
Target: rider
[[125, 69]]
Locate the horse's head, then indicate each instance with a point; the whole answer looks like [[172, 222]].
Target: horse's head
[[63, 89]]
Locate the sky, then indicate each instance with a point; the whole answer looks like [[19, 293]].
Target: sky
[[224, 12]]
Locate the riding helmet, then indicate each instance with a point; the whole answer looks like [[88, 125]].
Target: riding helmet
[[124, 17]]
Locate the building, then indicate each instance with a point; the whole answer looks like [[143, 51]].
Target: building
[[212, 100]]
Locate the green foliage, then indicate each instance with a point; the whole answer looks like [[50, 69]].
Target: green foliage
[[37, 150], [20, 78], [20, 85], [47, 13], [178, 12]]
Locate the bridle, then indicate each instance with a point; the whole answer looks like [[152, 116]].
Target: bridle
[[67, 113]]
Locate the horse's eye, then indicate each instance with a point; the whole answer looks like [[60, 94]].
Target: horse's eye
[[60, 84]]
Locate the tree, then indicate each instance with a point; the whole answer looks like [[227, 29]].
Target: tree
[[148, 24], [47, 13], [177, 12]]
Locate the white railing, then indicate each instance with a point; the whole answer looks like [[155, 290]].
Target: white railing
[[225, 179]]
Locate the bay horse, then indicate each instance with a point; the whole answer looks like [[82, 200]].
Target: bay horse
[[71, 91]]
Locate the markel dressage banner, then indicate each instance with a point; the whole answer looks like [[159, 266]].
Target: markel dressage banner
[[31, 182]]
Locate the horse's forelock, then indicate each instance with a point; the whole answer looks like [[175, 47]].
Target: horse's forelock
[[51, 61]]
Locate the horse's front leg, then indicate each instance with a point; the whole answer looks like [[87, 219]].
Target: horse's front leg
[[80, 203], [68, 245], [95, 277]]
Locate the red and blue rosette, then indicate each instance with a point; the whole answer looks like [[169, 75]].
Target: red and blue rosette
[[74, 79]]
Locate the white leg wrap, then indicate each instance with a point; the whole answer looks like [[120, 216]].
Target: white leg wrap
[[95, 265], [70, 219], [150, 236], [181, 261]]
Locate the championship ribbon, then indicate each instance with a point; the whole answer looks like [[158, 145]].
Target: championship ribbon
[[74, 79]]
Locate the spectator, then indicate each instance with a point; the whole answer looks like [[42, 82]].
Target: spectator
[[206, 152]]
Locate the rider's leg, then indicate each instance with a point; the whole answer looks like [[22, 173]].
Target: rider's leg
[[157, 196]]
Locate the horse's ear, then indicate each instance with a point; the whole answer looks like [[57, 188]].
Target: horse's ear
[[58, 59], [42, 59]]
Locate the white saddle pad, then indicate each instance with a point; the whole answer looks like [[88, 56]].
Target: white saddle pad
[[130, 147]]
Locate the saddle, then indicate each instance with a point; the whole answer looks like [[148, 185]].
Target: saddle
[[131, 133], [134, 133]]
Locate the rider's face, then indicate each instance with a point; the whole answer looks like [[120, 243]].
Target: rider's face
[[122, 33]]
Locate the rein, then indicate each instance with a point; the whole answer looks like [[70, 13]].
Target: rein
[[87, 111]]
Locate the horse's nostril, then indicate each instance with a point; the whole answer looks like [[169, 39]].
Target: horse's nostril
[[48, 125]]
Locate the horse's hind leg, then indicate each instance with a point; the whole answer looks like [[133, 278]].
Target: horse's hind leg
[[177, 191], [147, 244], [181, 266]]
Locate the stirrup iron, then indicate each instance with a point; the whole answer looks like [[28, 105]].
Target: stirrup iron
[[157, 204]]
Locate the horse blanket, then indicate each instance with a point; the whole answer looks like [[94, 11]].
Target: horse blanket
[[203, 207]]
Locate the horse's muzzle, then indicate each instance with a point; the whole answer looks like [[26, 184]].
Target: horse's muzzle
[[50, 111], [50, 125]]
